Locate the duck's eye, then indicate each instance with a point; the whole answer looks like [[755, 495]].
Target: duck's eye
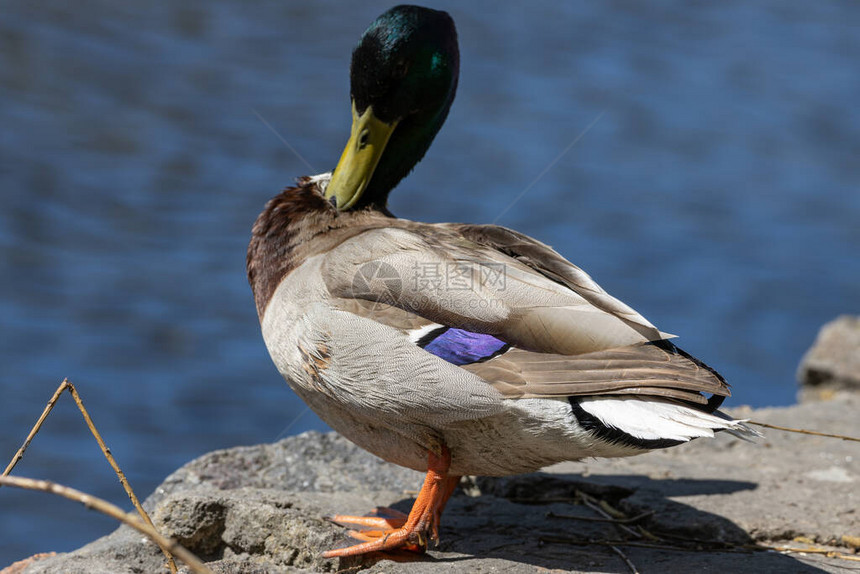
[[401, 68], [363, 139]]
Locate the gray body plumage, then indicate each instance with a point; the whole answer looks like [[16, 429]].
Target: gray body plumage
[[344, 338]]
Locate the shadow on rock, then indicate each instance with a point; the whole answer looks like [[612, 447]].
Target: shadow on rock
[[260, 509], [559, 522]]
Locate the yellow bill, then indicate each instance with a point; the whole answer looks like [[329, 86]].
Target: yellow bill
[[359, 159]]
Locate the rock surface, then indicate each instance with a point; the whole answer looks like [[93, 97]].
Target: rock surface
[[260, 509], [833, 362]]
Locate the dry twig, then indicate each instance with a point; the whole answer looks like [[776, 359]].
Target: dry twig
[[630, 565], [113, 511], [798, 550], [67, 385], [631, 520], [803, 431], [640, 544], [603, 509]]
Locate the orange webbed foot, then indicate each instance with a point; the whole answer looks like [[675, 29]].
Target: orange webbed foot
[[392, 530], [382, 518]]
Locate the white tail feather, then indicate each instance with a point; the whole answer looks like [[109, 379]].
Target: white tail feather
[[654, 419]]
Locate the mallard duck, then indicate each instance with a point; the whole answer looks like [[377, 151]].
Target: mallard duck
[[453, 349]]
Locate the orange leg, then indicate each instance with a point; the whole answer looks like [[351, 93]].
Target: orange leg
[[413, 531], [380, 517]]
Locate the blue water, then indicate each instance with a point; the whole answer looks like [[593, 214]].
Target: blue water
[[717, 194]]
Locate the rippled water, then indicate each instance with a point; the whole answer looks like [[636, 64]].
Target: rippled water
[[717, 193]]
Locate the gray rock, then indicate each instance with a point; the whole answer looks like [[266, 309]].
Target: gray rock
[[260, 509], [832, 364]]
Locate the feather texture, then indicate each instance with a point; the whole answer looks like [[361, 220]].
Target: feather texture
[[655, 369], [459, 349], [464, 347], [518, 347]]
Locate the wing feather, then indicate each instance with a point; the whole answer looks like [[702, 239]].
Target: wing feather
[[569, 337], [548, 262], [527, 308], [659, 369]]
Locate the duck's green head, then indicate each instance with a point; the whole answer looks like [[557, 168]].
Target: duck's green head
[[403, 79]]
